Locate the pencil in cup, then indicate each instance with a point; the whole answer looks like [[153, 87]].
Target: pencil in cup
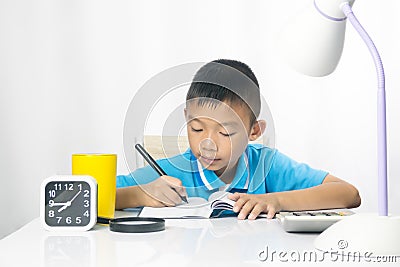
[[155, 166]]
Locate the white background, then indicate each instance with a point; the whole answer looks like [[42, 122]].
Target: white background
[[69, 69]]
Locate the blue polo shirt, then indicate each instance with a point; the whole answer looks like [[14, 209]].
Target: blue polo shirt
[[259, 170]]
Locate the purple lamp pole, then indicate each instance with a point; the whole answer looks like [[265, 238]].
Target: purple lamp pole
[[382, 145]]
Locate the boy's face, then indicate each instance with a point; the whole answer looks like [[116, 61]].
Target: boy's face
[[218, 135]]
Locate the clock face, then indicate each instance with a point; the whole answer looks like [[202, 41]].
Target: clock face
[[68, 203]]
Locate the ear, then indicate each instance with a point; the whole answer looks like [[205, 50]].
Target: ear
[[257, 129], [185, 113]]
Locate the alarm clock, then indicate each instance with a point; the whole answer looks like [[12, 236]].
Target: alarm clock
[[68, 202]]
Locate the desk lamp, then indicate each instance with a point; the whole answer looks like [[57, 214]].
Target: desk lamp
[[312, 44]]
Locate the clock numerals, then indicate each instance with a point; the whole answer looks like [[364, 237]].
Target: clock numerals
[[52, 193], [65, 186], [69, 220], [67, 203]]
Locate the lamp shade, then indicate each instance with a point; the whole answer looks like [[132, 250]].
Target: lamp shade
[[312, 42]]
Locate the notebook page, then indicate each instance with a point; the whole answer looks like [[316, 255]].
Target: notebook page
[[197, 207]]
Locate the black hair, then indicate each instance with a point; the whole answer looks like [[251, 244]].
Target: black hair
[[226, 80]]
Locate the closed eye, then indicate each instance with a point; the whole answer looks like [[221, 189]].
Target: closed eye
[[196, 130], [227, 134]]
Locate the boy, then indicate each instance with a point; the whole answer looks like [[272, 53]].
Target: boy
[[222, 106]]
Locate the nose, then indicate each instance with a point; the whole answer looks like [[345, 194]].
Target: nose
[[208, 147]]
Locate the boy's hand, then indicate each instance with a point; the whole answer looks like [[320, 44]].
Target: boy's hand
[[254, 204], [165, 191]]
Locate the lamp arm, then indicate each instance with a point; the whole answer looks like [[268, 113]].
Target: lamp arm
[[381, 119]]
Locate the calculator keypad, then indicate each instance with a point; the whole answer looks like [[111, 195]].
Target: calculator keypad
[[319, 213]]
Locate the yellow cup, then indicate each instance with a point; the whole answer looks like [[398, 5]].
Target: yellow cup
[[103, 167]]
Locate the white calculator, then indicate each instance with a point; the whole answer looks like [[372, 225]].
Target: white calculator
[[311, 221]]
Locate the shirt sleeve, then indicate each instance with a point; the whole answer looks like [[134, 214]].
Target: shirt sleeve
[[177, 166], [286, 174], [140, 176]]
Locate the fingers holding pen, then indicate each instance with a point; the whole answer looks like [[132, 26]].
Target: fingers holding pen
[[162, 186], [176, 185], [165, 191], [171, 198]]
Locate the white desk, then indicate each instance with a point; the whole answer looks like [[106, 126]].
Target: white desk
[[225, 241]]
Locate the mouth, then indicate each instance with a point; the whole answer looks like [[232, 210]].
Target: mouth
[[208, 160]]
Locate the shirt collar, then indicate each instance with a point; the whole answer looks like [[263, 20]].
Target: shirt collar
[[211, 181]]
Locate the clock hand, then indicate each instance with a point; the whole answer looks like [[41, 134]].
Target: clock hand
[[75, 196], [68, 203], [57, 204]]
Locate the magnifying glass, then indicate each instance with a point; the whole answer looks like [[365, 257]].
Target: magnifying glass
[[134, 224]]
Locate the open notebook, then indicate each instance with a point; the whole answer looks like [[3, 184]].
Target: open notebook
[[218, 205]]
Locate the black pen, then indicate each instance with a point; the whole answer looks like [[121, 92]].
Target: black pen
[[155, 166]]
